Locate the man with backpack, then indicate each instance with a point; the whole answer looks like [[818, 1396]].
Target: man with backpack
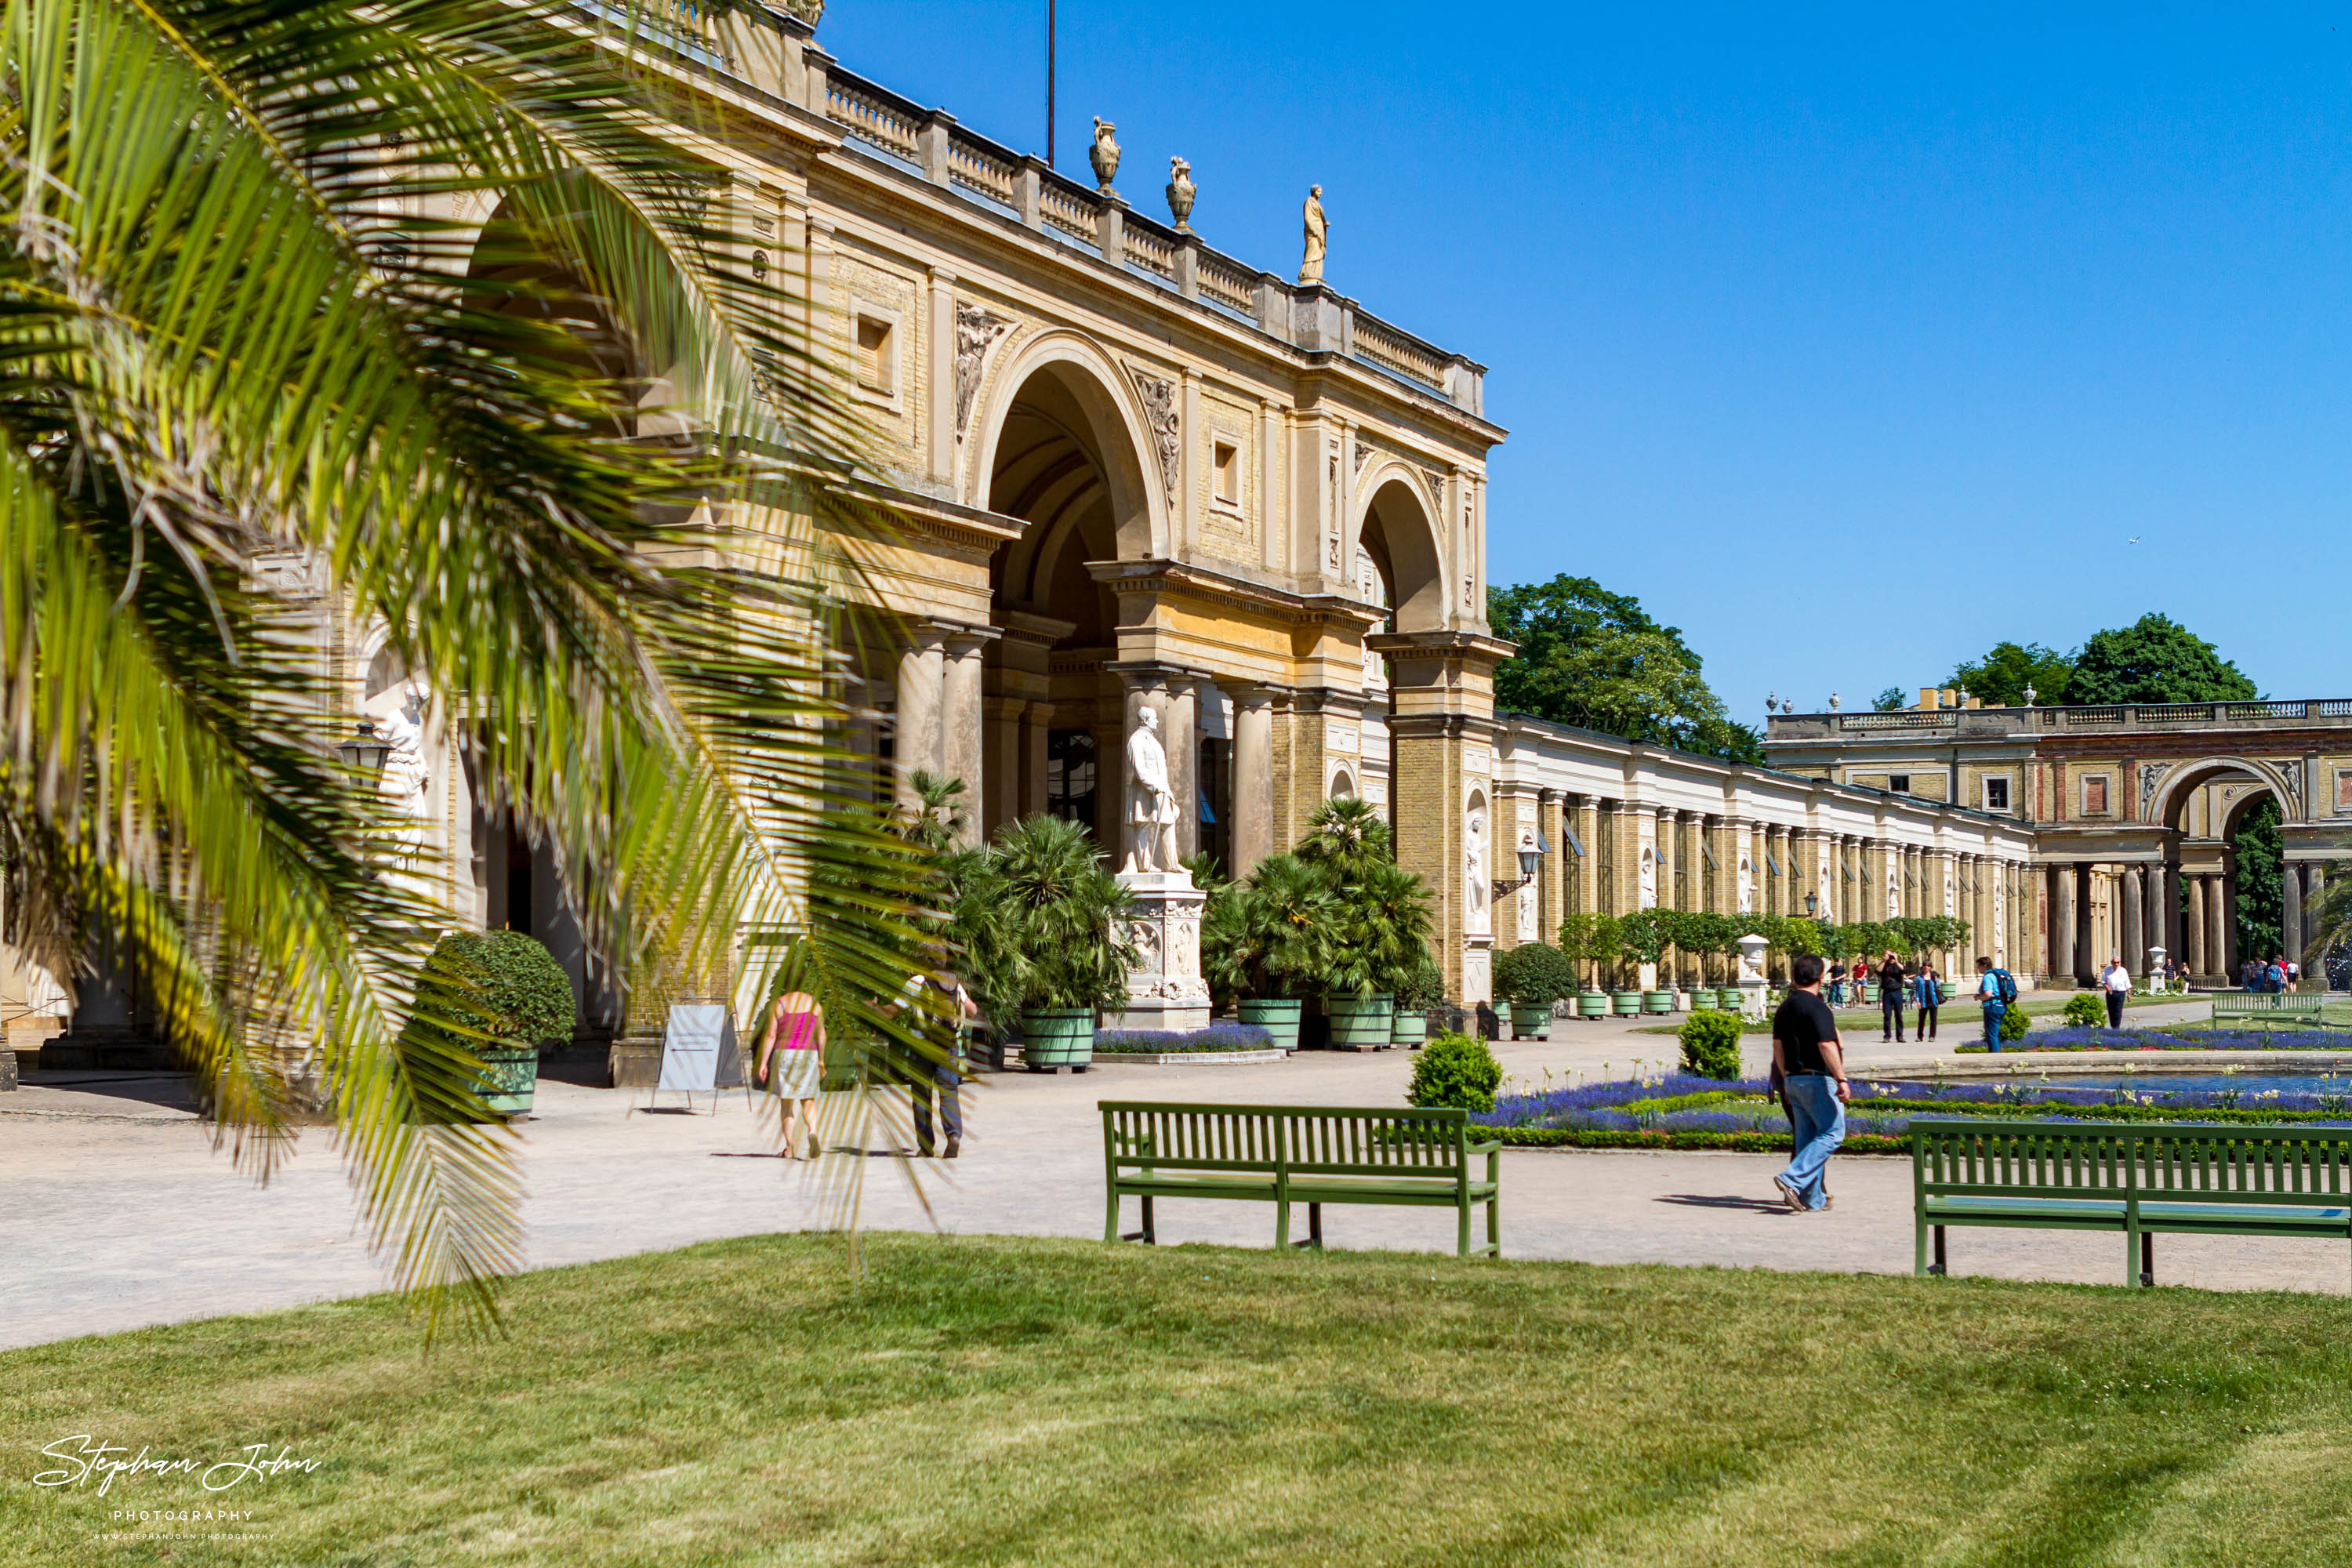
[[1997, 993]]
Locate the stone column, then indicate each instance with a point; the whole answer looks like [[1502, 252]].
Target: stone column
[[2291, 916], [2193, 943], [1000, 770], [2132, 895], [2155, 930], [2221, 933], [1179, 735], [1586, 867], [959, 737], [1253, 778], [1552, 874], [915, 736], [1037, 737], [2062, 920]]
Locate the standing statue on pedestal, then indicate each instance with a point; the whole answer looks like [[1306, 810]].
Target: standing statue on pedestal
[[1150, 801], [1474, 872], [1319, 230]]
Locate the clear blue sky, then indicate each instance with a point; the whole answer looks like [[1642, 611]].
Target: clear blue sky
[[1850, 340]]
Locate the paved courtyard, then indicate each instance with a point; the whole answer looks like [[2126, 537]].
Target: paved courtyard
[[123, 1215]]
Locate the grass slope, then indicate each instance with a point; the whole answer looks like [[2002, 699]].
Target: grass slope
[[1048, 1402]]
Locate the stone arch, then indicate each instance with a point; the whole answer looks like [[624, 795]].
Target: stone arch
[[2184, 779], [1343, 783], [1063, 378], [1394, 525]]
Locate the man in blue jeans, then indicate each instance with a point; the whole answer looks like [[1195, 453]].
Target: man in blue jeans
[[1995, 998], [1807, 1055]]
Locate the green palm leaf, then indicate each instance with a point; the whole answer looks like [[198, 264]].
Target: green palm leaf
[[391, 294]]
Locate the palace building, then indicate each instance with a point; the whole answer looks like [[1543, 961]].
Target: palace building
[[1134, 470]]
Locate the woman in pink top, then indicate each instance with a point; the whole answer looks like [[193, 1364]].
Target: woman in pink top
[[794, 1042]]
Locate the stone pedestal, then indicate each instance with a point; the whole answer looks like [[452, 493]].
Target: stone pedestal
[[1164, 989], [1751, 976]]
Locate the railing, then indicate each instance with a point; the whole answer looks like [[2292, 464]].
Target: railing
[[1153, 252], [1224, 283], [2264, 710], [2173, 713], [983, 170], [1936, 718], [1397, 354], [867, 111], [1057, 208], [2082, 717]]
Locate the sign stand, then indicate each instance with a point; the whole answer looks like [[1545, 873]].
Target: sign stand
[[699, 1052]]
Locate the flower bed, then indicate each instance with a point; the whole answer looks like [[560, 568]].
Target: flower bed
[[1170, 1042], [1680, 1112], [2104, 1039]]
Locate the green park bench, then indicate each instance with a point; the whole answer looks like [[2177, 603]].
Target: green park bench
[[2269, 1005], [2136, 1178], [1286, 1154]]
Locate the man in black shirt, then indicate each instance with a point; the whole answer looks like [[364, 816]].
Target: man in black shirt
[[1806, 1050], [1891, 981]]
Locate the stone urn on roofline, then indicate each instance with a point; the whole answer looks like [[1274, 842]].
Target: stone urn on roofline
[[1181, 192], [1104, 154]]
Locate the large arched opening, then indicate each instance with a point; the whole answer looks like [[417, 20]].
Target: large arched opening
[[1397, 569], [1063, 457], [2224, 848]]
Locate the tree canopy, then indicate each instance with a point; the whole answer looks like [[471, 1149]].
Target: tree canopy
[[2001, 677], [1595, 659], [2155, 659]]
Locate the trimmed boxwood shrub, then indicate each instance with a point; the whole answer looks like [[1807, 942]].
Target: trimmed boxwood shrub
[[1455, 1070], [1710, 1040], [2014, 1022], [504, 984], [1534, 974], [2084, 1011]]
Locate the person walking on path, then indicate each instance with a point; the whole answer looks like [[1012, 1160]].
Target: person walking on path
[[792, 1046], [1997, 993], [940, 1067], [1892, 984], [2115, 983], [1929, 996], [1837, 984], [1807, 1054]]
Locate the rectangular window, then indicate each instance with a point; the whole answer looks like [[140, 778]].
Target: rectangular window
[[1228, 472], [1899, 783], [2344, 789], [877, 356], [2095, 796], [1996, 794]]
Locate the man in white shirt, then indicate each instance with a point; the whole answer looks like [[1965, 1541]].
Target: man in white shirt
[[2116, 981]]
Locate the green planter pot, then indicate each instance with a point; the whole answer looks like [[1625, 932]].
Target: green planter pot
[[1727, 998], [1278, 1018], [1361, 1023], [1592, 1004], [1531, 1021], [1657, 1001], [1057, 1038], [1409, 1028], [1622, 1002], [508, 1080]]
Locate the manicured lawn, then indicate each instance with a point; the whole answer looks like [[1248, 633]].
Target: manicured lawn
[[1046, 1401]]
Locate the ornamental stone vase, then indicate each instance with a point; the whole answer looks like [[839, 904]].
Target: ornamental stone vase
[[1104, 154], [1181, 192]]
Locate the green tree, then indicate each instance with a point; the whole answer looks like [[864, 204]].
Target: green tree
[[2154, 659], [2327, 921], [2002, 676], [1594, 658], [1891, 700], [233, 344]]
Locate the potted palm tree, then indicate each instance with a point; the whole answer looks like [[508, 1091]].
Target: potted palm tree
[[1533, 975], [1383, 924], [1041, 923], [509, 997], [1266, 944]]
